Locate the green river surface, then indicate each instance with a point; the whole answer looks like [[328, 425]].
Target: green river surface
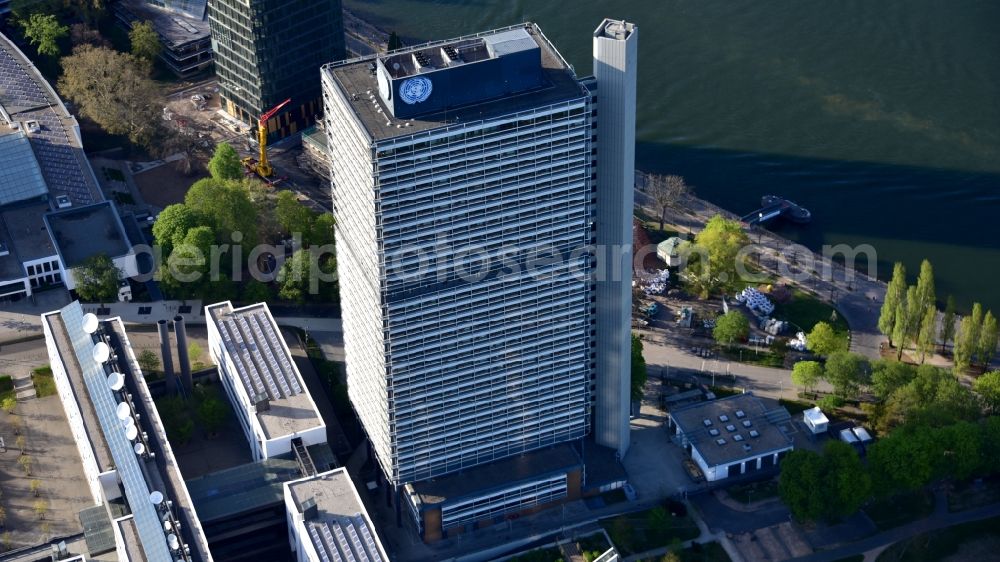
[[880, 116]]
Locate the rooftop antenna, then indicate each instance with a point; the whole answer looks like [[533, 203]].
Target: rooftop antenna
[[116, 381], [101, 353]]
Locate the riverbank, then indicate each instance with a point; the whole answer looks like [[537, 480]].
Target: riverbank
[[855, 294]]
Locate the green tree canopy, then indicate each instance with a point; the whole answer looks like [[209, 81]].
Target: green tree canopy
[[988, 388], [894, 297], [846, 372], [172, 224], [300, 279], [889, 375], [44, 32], [731, 327], [967, 339], [322, 230], [97, 279], [926, 293], [212, 413], [225, 163], [638, 370], [934, 397], [988, 336], [807, 374], [145, 42], [928, 333], [113, 90], [824, 340], [292, 215], [148, 361], [225, 205], [947, 333], [712, 258], [830, 486]]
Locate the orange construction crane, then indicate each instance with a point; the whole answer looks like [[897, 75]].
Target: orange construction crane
[[261, 166]]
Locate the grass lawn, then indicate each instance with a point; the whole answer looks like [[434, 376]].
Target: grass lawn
[[795, 406], [899, 510], [6, 387], [753, 491], [633, 533], [805, 310], [765, 357], [973, 541], [652, 225], [45, 385]]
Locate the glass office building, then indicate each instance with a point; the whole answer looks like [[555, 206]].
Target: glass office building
[[465, 187], [267, 51]]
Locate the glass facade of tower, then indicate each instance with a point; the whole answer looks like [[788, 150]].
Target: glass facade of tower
[[466, 282], [267, 51]]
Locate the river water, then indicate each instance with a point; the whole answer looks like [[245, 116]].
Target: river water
[[882, 117]]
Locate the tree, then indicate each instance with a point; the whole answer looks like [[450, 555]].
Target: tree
[[44, 31], [731, 327], [212, 414], [113, 90], [145, 42], [9, 404], [25, 462], [847, 482], [666, 191], [901, 461], [823, 340], [394, 42], [148, 361], [934, 397], [926, 294], [255, 292], [894, 297], [225, 163], [800, 484], [988, 388], [21, 443], [988, 336], [960, 447], [322, 232], [172, 224], [292, 215], [302, 276], [906, 320], [968, 338], [97, 279], [928, 331], [846, 372], [8, 540], [41, 507], [34, 486], [947, 333], [3, 521], [806, 374], [712, 258], [225, 205], [888, 376], [638, 371]]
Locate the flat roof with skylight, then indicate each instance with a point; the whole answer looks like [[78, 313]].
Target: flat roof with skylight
[[731, 429], [265, 368]]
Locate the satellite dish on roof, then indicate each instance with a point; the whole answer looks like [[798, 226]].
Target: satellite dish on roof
[[123, 411], [131, 432], [116, 381], [139, 448], [156, 497], [172, 542], [101, 352], [90, 323]]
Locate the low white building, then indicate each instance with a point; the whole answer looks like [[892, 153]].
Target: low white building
[[270, 398], [815, 420], [327, 521], [732, 436], [669, 251]]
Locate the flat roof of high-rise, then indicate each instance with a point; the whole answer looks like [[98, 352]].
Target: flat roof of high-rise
[[253, 340], [358, 83]]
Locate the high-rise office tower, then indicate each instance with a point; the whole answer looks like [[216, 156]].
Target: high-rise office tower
[[267, 51], [466, 178]]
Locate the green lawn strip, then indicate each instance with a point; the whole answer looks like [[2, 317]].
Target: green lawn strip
[[940, 544], [633, 533], [901, 509], [753, 491], [805, 310], [45, 384], [763, 357]]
